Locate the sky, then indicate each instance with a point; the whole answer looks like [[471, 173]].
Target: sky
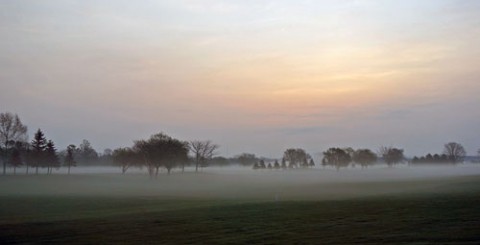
[[252, 76]]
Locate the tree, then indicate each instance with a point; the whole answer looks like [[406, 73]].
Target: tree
[[161, 150], [11, 130], [391, 155], [311, 163], [70, 157], [336, 157], [295, 157], [39, 144], [455, 152], [276, 165], [364, 157], [261, 164], [86, 154], [203, 151], [284, 163], [15, 160], [125, 158], [177, 155], [246, 159], [51, 157]]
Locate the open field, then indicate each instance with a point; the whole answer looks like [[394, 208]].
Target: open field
[[221, 206]]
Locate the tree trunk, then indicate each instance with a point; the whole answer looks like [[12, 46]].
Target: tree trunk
[[14, 170], [36, 169], [69, 169], [27, 169]]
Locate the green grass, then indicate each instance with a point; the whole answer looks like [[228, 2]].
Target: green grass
[[416, 219], [443, 213]]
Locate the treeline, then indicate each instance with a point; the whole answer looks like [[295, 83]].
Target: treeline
[[292, 158], [161, 151], [452, 153], [40, 153]]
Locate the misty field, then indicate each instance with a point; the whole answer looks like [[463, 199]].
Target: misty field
[[409, 205]]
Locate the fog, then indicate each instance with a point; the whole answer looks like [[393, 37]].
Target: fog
[[245, 184]]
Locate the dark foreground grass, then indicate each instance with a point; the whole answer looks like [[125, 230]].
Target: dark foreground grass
[[407, 219]]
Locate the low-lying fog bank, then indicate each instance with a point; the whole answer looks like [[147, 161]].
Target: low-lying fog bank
[[245, 183]]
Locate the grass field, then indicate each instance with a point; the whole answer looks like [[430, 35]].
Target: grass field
[[40, 209]]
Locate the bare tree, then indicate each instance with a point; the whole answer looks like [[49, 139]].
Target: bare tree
[[202, 151], [455, 152], [11, 130]]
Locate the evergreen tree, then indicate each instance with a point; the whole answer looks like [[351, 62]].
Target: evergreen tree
[[51, 157], [39, 144], [276, 165]]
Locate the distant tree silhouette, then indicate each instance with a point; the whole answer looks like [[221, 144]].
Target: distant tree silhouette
[[261, 164], [177, 155], [391, 155], [284, 163], [364, 157], [311, 163], [203, 151], [246, 159], [295, 157], [430, 159], [11, 130], [85, 154], [276, 165], [336, 157], [455, 152], [269, 166], [161, 150], [126, 158], [15, 160], [70, 157], [51, 157], [39, 145]]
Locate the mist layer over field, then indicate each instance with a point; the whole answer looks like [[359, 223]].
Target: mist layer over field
[[237, 183], [378, 205]]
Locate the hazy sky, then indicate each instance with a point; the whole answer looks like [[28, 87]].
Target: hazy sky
[[251, 75]]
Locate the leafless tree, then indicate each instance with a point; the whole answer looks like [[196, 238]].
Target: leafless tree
[[202, 151], [454, 151], [11, 131]]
